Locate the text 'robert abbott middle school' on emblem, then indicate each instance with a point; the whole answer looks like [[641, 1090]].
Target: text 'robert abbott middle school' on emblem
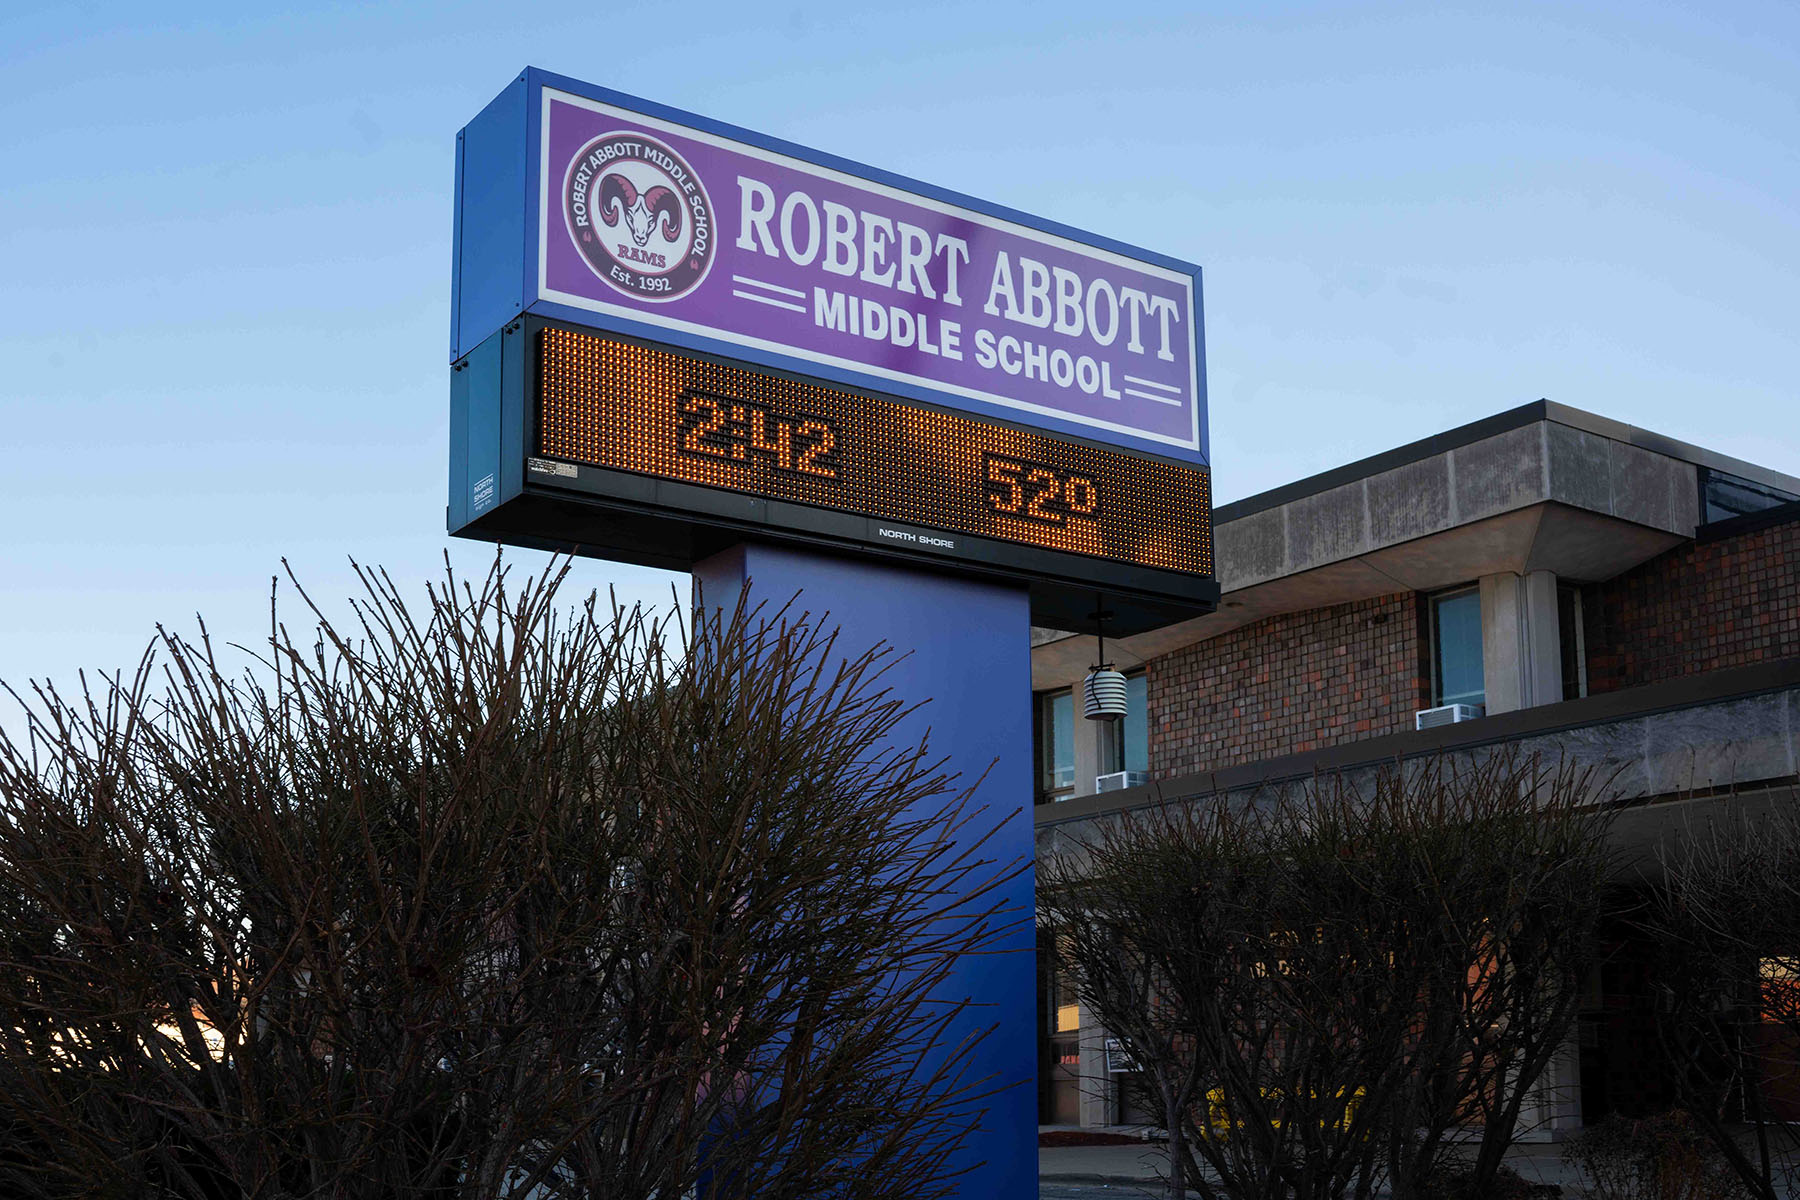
[[639, 215]]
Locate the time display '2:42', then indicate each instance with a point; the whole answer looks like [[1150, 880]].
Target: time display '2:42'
[[1037, 492], [724, 427]]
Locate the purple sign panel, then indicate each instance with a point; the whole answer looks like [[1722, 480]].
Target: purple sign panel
[[693, 231]]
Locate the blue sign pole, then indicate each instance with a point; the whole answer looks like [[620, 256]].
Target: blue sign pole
[[967, 648]]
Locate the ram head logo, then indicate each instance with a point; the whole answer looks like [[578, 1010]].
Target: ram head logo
[[620, 199]]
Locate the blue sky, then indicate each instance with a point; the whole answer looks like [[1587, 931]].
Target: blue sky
[[224, 240]]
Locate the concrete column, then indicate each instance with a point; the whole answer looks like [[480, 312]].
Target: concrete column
[[1521, 641], [1565, 1096], [1096, 1084], [1552, 1112], [1089, 739]]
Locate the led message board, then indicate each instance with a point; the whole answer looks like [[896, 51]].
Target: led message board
[[714, 334], [628, 407], [647, 454]]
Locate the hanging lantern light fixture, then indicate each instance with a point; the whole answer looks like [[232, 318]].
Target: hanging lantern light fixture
[[1103, 691]]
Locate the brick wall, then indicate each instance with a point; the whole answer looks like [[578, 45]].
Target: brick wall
[[1698, 608], [1287, 684]]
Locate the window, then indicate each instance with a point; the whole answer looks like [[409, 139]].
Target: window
[[1055, 729], [1574, 642], [1456, 674], [1126, 745], [1134, 730], [1778, 980], [1725, 496], [1061, 1001]]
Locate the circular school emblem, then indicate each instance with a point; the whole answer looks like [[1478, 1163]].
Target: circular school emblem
[[639, 215]]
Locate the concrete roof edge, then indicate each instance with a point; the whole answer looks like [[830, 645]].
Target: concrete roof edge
[[1647, 439], [1387, 460], [1486, 427]]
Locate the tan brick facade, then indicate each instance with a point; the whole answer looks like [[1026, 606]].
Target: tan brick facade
[[1286, 685], [1698, 608]]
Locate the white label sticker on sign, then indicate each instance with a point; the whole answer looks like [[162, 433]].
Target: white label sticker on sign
[[543, 466]]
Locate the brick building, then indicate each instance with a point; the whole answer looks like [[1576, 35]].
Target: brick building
[[1583, 588]]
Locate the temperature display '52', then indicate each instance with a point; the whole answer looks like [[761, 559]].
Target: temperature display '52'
[[1037, 492]]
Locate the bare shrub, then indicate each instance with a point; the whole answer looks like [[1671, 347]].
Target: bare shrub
[[1664, 1157], [1325, 987], [501, 899], [1724, 917]]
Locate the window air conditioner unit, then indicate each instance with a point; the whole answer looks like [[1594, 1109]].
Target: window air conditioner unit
[[1119, 780], [1448, 714]]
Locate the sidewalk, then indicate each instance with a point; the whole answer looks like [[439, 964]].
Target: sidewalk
[[1147, 1162]]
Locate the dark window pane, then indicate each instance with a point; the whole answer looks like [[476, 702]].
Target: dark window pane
[[1456, 648], [1574, 653], [1135, 728], [1059, 742], [1728, 496]]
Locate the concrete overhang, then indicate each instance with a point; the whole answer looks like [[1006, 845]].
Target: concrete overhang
[[1646, 837], [1698, 737], [1540, 488]]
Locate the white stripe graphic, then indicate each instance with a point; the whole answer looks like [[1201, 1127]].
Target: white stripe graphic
[[799, 308], [776, 287], [1151, 383], [1175, 400]]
